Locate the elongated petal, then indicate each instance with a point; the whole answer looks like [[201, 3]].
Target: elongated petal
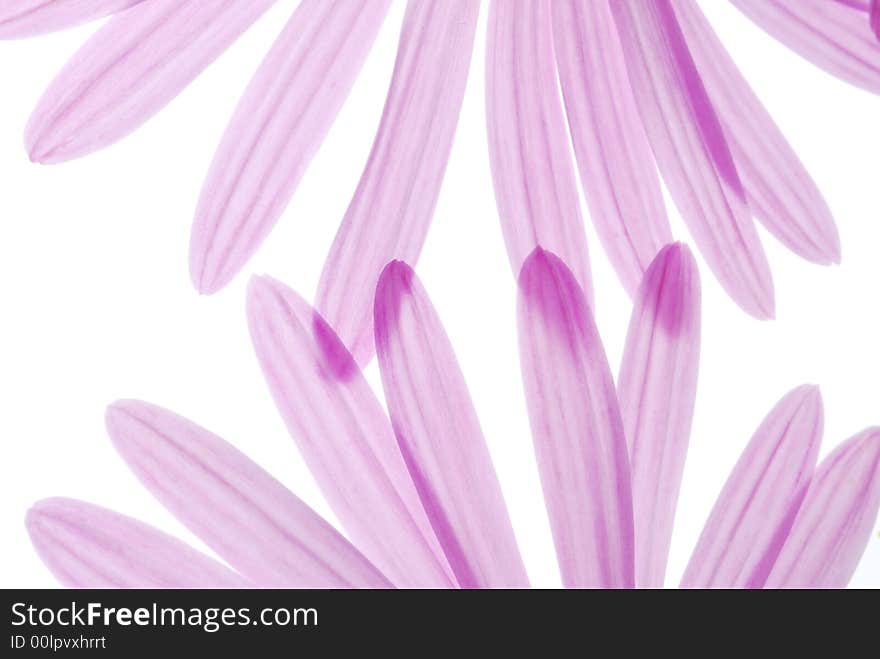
[[27, 18], [832, 35], [753, 514], [534, 179], [834, 524], [440, 437], [778, 188], [617, 168], [134, 66], [239, 510], [692, 152], [344, 436], [392, 208], [656, 389], [86, 546], [280, 122], [577, 428], [875, 17]]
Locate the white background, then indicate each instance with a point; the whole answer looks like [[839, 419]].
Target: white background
[[97, 305]]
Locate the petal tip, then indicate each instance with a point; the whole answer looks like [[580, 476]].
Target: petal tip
[[202, 280], [208, 276], [671, 286], [122, 418], [395, 282], [394, 274], [766, 309], [269, 298], [809, 399], [40, 145], [39, 518], [540, 266], [258, 285]]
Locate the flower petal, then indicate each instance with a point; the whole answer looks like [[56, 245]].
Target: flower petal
[[692, 152], [875, 17], [280, 122], [130, 69], [233, 505], [86, 546], [753, 514], [535, 186], [28, 18], [392, 208], [344, 436], [778, 188], [617, 168], [577, 428], [834, 524], [832, 35], [440, 437], [656, 389]]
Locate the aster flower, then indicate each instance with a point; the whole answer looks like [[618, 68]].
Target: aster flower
[[418, 497], [147, 54], [645, 84]]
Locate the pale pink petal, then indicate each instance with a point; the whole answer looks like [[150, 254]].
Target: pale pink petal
[[440, 437], [392, 208], [875, 17], [753, 514], [134, 66], [577, 428], [834, 36], [535, 185], [27, 18], [86, 546], [779, 189], [344, 435], [250, 519], [835, 521], [618, 172], [692, 152], [280, 123], [656, 389]]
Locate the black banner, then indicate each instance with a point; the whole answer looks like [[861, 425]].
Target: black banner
[[128, 623]]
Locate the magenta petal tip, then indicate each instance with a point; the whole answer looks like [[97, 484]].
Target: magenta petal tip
[[336, 360], [577, 428], [674, 268], [537, 266], [395, 281]]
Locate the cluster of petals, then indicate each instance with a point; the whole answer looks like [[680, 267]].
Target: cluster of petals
[[415, 490], [642, 89]]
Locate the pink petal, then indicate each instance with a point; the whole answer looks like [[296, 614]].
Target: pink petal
[[656, 389], [535, 186], [344, 436], [832, 35], [134, 66], [392, 208], [440, 437], [86, 546], [577, 428], [777, 186], [692, 152], [618, 173], [754, 512], [834, 524], [875, 17], [233, 505], [280, 123], [28, 18]]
